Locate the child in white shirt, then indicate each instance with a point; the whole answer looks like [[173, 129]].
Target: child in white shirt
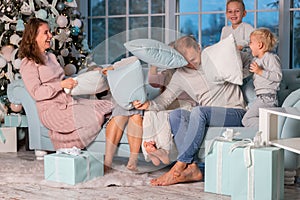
[[235, 12]]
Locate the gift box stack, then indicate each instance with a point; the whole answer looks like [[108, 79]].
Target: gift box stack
[[9, 132], [8, 139], [244, 170], [73, 168]]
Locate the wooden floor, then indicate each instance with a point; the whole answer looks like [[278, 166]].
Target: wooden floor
[[22, 177]]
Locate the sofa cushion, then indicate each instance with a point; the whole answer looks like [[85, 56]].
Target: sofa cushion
[[156, 53]]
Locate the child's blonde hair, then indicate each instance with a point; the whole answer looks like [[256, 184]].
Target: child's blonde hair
[[265, 36], [239, 1]]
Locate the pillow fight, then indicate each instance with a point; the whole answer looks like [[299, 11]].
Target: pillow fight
[[189, 101]]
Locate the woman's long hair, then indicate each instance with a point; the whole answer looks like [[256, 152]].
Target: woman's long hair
[[29, 48]]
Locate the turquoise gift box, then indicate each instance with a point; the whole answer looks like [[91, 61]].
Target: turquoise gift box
[[217, 167], [15, 121], [261, 178], [72, 169]]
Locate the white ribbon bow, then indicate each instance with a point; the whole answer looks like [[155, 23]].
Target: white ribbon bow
[[227, 135], [74, 151], [248, 144]]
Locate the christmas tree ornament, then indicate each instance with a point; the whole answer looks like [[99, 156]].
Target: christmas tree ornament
[[71, 3], [42, 14], [16, 62], [3, 62], [15, 39], [70, 69], [75, 30], [6, 52], [25, 9], [60, 6], [16, 107], [20, 25], [63, 37], [64, 52], [76, 22], [52, 22], [62, 21]]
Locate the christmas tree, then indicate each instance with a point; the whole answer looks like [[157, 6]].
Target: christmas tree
[[66, 23]]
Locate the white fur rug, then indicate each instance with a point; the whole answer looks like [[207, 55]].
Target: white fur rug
[[24, 168]]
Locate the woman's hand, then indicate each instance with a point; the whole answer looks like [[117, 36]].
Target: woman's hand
[[104, 71], [140, 106], [255, 68], [68, 83]]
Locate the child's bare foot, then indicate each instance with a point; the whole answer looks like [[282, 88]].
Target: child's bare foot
[[149, 146], [154, 160], [162, 155], [156, 155]]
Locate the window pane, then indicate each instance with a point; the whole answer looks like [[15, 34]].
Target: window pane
[[116, 25], [158, 6], [138, 27], [97, 31], [295, 39], [117, 7], [157, 30], [116, 49], [249, 18], [269, 20], [249, 4], [213, 5], [212, 27], [268, 4], [138, 6], [189, 25], [295, 3], [188, 6], [97, 8]]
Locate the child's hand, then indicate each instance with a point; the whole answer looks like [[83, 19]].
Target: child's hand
[[255, 68], [104, 71], [140, 106]]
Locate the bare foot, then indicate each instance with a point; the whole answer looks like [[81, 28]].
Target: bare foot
[[107, 169], [156, 155], [132, 163], [162, 155], [179, 173], [149, 146], [190, 174]]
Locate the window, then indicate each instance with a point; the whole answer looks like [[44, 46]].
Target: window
[[295, 33], [111, 23]]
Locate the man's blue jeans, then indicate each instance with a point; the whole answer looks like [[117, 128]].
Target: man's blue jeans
[[189, 128]]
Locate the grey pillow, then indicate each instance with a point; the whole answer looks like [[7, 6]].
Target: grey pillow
[[126, 82], [156, 53]]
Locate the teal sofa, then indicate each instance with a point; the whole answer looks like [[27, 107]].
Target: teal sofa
[[39, 139]]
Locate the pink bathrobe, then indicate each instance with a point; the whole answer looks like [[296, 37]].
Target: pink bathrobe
[[71, 122]]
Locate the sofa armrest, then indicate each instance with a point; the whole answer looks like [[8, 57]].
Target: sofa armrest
[[18, 94]]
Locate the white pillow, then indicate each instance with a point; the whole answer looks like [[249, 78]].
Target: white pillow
[[222, 62], [91, 82], [126, 82], [156, 53]]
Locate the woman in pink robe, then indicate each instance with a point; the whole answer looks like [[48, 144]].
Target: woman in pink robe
[[71, 122]]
